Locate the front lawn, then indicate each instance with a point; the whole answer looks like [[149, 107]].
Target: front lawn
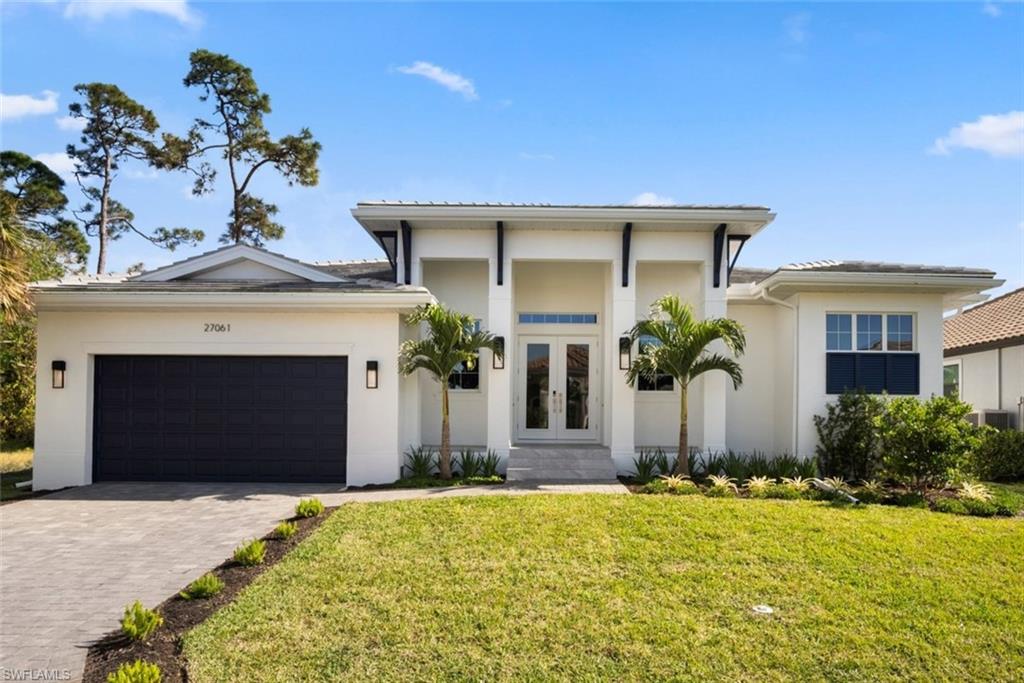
[[629, 587]]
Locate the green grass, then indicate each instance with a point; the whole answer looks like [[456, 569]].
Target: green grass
[[15, 466], [1010, 495], [625, 588]]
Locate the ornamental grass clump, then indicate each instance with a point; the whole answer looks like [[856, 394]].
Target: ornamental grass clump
[[136, 672], [285, 530], [205, 586], [138, 623], [251, 553], [757, 487], [645, 467], [310, 507]]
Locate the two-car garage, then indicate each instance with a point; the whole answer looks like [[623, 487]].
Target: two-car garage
[[220, 418]]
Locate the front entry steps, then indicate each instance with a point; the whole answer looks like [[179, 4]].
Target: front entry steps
[[560, 463]]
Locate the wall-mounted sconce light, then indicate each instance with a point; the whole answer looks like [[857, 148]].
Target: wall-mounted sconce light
[[498, 355], [371, 374], [59, 367], [625, 353]]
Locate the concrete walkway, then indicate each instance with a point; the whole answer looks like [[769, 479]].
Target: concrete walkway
[[72, 560]]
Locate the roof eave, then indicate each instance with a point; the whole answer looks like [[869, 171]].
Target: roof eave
[[383, 300]]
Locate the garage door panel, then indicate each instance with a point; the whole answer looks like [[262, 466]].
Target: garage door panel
[[209, 418]]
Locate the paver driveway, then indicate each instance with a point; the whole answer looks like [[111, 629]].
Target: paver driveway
[[71, 561]]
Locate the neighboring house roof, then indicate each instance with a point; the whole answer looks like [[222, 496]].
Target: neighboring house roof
[[741, 275], [993, 324]]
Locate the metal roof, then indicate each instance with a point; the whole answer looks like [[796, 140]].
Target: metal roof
[[754, 275], [544, 205]]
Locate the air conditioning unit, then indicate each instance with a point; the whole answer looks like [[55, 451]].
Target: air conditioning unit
[[1000, 419]]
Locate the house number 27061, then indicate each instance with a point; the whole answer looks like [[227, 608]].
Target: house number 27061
[[216, 327]]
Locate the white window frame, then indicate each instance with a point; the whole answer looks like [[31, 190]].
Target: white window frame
[[959, 365], [477, 326], [885, 331]]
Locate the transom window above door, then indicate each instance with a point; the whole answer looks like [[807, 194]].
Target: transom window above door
[[869, 332], [558, 318]]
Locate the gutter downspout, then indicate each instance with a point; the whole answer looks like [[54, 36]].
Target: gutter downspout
[[796, 362]]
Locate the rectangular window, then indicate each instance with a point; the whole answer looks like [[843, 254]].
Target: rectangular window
[[951, 380], [899, 333], [661, 381], [869, 332], [558, 318], [838, 332], [466, 376]]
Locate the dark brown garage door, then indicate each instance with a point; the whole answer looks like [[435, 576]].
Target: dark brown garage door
[[220, 418]]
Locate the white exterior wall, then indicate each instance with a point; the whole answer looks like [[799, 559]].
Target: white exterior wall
[[751, 409], [657, 412], [927, 311], [462, 286], [993, 380], [63, 440]]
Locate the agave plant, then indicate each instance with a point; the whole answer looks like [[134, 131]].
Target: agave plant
[[722, 482], [969, 491], [835, 483], [797, 483], [872, 486], [758, 485]]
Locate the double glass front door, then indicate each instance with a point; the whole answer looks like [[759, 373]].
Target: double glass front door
[[556, 388]]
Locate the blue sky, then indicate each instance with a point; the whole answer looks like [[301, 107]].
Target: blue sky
[[875, 131]]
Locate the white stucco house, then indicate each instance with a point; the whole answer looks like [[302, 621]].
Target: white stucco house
[[984, 360], [241, 364]]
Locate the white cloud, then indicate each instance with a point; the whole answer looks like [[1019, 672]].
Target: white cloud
[[142, 174], [999, 135], [448, 79], [796, 25], [991, 9], [58, 162], [651, 199], [16, 106], [531, 156], [74, 123], [98, 10]]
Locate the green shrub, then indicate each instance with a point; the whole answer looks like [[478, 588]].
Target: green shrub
[[309, 507], [138, 623], [734, 465], [999, 455], [848, 437], [924, 442], [906, 499], [980, 508], [712, 463], [645, 466], [783, 492], [206, 585], [1007, 499], [489, 464], [420, 462], [655, 486], [477, 481], [136, 672], [870, 492], [286, 530], [468, 464], [949, 505], [666, 465], [784, 465], [251, 554]]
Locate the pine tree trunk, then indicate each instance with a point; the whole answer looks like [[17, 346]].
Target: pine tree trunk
[[446, 437], [102, 231], [683, 461]]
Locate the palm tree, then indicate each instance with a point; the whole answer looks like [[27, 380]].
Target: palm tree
[[680, 350], [451, 340]]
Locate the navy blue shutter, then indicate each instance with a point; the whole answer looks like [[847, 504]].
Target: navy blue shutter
[[904, 373], [840, 372], [871, 372]]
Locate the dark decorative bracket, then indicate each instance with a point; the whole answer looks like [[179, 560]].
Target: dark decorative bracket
[[719, 250], [407, 252], [501, 253], [627, 236]]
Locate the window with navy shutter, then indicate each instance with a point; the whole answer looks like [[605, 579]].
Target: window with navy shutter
[[884, 359]]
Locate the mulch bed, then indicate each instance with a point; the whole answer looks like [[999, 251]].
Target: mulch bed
[[164, 647]]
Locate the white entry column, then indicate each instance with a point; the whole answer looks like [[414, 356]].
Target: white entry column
[[499, 382], [715, 382], [623, 396]]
